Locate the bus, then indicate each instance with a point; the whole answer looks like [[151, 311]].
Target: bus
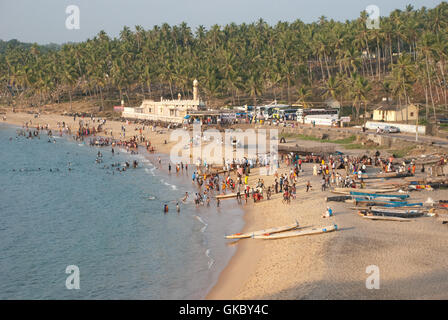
[[273, 111], [304, 114], [259, 111], [286, 114]]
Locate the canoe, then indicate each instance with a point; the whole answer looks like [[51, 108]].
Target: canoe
[[387, 175], [385, 200], [379, 206], [369, 203], [397, 213], [338, 198], [387, 218], [226, 196], [296, 233], [348, 190], [265, 231], [378, 198], [375, 195], [397, 210]]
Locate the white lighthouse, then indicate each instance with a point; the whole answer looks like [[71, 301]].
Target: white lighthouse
[[195, 90]]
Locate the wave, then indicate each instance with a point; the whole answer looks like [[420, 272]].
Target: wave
[[168, 184], [211, 261], [202, 221], [150, 171]]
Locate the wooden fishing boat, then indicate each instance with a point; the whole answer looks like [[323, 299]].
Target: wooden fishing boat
[[375, 195], [386, 175], [385, 203], [265, 231], [397, 213], [348, 190], [338, 198], [378, 198], [386, 218], [296, 233], [226, 196]]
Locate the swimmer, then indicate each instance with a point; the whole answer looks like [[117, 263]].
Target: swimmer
[[177, 207], [186, 196]]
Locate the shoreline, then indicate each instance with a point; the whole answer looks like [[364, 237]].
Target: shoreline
[[162, 151], [241, 265]]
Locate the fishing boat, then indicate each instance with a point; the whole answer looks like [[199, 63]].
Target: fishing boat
[[397, 213], [338, 198], [265, 231], [375, 195], [348, 190], [387, 218], [226, 196], [379, 198], [296, 233], [386, 175], [390, 204]]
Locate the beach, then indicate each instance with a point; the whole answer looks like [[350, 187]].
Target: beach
[[411, 256]]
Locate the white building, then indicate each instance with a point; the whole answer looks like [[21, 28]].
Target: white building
[[166, 110]]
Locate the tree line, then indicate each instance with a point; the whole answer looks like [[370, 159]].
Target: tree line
[[404, 59]]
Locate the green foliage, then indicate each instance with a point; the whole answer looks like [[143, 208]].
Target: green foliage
[[243, 64]]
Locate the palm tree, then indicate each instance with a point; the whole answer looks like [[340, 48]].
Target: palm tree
[[304, 93]]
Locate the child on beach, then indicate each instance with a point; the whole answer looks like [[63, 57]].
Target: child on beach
[[308, 186], [328, 213]]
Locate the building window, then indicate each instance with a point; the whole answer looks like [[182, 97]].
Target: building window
[[412, 114]]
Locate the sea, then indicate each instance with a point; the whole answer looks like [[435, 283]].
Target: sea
[[60, 207]]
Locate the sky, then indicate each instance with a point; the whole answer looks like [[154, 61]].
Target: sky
[[44, 21]]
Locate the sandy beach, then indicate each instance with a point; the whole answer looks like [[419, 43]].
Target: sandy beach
[[412, 257], [157, 137]]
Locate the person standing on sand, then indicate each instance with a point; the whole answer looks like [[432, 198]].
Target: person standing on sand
[[169, 167], [308, 186]]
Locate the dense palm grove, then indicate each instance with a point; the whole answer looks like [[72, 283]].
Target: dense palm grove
[[405, 60]]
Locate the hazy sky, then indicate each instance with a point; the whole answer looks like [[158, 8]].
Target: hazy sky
[[43, 21]]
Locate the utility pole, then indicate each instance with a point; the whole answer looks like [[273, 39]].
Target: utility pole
[[416, 126]]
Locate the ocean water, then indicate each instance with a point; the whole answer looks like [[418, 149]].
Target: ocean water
[[109, 224]]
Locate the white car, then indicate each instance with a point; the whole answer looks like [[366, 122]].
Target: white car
[[391, 129]]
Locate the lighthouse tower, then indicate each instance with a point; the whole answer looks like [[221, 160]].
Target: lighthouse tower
[[195, 90]]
